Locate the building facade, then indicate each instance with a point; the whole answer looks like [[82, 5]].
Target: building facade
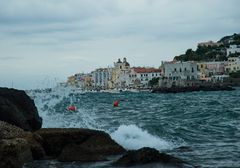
[[100, 77], [140, 76], [180, 70], [233, 49], [209, 43], [76, 80], [120, 74], [233, 64]]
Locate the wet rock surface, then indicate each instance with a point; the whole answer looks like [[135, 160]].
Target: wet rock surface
[[56, 140], [17, 108], [147, 155], [18, 146]]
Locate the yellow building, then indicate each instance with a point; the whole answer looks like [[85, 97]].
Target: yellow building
[[71, 80], [202, 66], [120, 74]]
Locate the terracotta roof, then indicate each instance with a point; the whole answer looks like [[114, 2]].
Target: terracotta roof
[[146, 70]]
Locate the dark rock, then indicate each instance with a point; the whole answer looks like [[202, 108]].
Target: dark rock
[[92, 141], [146, 156], [73, 152], [14, 153], [177, 89], [8, 131], [17, 108]]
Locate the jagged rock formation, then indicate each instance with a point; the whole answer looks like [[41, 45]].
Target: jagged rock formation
[[18, 109]]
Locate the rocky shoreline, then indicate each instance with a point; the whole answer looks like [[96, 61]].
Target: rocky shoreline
[[192, 89], [22, 142]]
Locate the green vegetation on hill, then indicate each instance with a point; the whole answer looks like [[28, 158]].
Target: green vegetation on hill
[[231, 40], [210, 53]]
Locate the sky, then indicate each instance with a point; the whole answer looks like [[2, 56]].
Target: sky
[[45, 41]]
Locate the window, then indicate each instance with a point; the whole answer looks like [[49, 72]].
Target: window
[[175, 69], [141, 75], [192, 69], [185, 69], [180, 70]]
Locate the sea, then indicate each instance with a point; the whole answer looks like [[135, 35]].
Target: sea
[[202, 128]]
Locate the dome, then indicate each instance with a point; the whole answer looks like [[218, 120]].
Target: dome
[[127, 64], [119, 61]]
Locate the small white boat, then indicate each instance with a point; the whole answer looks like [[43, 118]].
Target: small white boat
[[110, 91]]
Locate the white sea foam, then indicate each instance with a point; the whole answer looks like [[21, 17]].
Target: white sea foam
[[129, 136], [46, 102], [133, 137]]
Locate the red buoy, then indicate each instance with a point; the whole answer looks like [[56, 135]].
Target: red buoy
[[116, 103], [72, 108]]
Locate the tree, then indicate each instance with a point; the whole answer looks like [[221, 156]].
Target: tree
[[153, 82], [235, 74]]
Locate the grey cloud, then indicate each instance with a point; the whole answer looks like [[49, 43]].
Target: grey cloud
[[92, 33], [45, 11], [7, 58]]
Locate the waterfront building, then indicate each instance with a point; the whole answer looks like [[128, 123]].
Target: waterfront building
[[140, 76], [208, 69], [71, 81], [100, 77], [219, 78], [88, 82], [120, 74], [76, 80], [233, 64], [233, 49], [202, 71], [180, 70]]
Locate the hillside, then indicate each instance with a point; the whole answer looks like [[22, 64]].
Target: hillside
[[210, 52]]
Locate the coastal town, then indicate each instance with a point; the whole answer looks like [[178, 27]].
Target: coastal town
[[181, 73]]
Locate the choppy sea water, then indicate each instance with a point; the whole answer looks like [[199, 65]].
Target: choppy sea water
[[202, 128]]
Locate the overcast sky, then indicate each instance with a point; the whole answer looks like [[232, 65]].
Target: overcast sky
[[42, 41]]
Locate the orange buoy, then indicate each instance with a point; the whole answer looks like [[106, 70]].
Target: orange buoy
[[72, 108], [116, 103]]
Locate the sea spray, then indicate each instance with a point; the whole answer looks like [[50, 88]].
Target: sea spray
[[52, 107], [156, 120], [133, 137]]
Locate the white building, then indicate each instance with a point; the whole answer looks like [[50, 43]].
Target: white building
[[209, 43], [233, 49], [180, 70], [219, 78], [140, 76], [101, 76]]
